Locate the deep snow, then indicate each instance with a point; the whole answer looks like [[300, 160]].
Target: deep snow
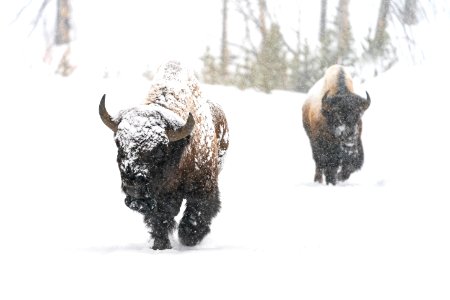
[[384, 234]]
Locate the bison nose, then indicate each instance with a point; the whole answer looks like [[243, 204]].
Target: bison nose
[[128, 170], [140, 179]]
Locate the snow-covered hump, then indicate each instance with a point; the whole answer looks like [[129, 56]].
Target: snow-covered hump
[[175, 88]]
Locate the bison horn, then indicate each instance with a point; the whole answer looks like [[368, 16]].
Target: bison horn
[[181, 132], [104, 115], [366, 101]]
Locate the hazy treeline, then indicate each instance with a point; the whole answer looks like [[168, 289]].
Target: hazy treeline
[[269, 56], [273, 62]]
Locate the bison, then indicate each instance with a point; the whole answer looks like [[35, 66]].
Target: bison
[[171, 148], [332, 120]]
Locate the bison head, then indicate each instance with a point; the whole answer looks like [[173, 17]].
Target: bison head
[[343, 113], [144, 137]]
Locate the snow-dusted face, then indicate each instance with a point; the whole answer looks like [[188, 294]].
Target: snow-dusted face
[[142, 151], [343, 113]]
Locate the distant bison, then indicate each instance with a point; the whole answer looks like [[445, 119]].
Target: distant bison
[[332, 119], [171, 148]]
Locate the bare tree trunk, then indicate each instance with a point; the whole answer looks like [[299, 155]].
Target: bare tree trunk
[[225, 54], [380, 32], [410, 12], [382, 19], [262, 18], [62, 36], [344, 34], [62, 32], [323, 19]]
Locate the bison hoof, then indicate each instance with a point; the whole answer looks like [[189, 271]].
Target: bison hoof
[[161, 244], [191, 235]]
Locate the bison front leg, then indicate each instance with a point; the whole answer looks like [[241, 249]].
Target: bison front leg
[[161, 221], [331, 175], [200, 209], [351, 162]]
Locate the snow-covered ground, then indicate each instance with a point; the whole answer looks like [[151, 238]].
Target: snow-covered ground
[[384, 234], [65, 232]]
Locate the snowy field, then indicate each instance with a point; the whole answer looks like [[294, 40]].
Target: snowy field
[[384, 234]]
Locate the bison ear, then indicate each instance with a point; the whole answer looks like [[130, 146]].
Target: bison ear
[[182, 131], [106, 118], [366, 102]]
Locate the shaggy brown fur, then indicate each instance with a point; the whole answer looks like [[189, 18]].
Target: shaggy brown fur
[[332, 120], [170, 149]]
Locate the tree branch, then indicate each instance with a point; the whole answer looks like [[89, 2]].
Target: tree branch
[[20, 12], [39, 15]]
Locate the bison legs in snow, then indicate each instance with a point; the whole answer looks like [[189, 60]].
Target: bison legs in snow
[[351, 162], [326, 157], [334, 162], [159, 216], [161, 220], [201, 208]]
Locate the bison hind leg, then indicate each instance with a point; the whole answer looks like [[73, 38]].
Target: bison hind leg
[[318, 177], [345, 173], [200, 210]]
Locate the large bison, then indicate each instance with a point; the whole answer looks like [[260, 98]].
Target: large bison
[[171, 148], [332, 119]]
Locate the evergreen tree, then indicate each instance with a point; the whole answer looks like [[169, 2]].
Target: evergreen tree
[[244, 74], [323, 19], [379, 51], [210, 70], [304, 69], [294, 73], [310, 67], [345, 53], [270, 71], [327, 50], [380, 54]]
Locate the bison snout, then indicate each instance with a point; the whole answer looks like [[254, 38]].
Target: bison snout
[[134, 189]]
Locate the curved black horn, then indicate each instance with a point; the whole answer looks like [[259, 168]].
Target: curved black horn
[[104, 115], [367, 101], [183, 131]]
